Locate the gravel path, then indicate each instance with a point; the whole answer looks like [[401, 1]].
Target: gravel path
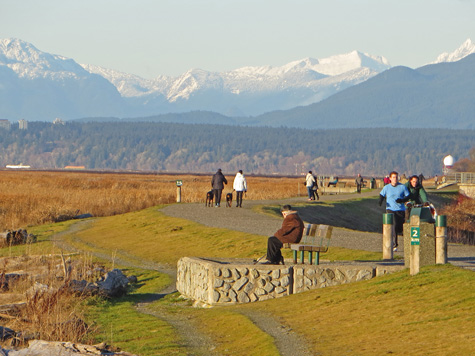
[[245, 220]]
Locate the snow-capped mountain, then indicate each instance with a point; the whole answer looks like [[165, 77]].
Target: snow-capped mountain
[[35, 85], [249, 90], [468, 47]]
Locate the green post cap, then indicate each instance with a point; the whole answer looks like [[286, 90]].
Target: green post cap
[[441, 221], [388, 219]]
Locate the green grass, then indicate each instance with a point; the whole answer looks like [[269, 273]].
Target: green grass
[[43, 245], [118, 322], [431, 313]]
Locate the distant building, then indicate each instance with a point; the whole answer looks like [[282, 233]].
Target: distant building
[[75, 167], [23, 124], [17, 166], [58, 121], [5, 124]]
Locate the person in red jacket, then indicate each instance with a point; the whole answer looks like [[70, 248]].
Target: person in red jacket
[[290, 232]]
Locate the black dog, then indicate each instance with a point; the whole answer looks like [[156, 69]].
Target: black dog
[[229, 199], [209, 198]]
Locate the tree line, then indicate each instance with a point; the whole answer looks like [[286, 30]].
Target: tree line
[[172, 147]]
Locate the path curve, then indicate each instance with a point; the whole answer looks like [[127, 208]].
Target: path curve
[[194, 341]]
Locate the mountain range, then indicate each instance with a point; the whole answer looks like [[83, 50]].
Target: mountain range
[[439, 95], [35, 85]]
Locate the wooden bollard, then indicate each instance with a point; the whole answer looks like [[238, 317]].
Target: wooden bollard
[[388, 231], [441, 240], [178, 194]]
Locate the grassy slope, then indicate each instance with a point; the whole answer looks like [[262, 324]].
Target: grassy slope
[[428, 314]]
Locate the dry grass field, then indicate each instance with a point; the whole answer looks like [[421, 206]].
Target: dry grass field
[[35, 197]]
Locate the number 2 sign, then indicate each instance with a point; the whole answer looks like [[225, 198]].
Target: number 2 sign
[[415, 234]]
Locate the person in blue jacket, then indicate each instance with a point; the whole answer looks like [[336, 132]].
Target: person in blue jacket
[[395, 194]]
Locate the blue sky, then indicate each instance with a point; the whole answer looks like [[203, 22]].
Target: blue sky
[[168, 37]]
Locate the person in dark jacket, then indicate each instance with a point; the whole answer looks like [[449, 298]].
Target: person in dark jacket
[[217, 183], [290, 232], [359, 183], [417, 194]]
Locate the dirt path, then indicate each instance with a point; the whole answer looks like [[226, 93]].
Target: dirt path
[[198, 344]]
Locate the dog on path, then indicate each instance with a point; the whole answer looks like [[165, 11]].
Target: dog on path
[[209, 198], [229, 200]]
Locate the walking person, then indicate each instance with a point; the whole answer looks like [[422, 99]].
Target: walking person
[[240, 186], [290, 232], [395, 194], [359, 183], [309, 183], [217, 183]]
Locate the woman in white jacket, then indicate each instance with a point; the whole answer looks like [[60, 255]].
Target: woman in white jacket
[[240, 186], [309, 183]]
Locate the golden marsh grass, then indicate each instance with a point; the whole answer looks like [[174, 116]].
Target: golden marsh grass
[[36, 197]]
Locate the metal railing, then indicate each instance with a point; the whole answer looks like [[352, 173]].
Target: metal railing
[[461, 177]]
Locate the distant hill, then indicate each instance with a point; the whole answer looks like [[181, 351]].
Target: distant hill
[[434, 96], [172, 147]]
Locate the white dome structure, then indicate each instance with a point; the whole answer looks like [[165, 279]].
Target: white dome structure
[[448, 161]]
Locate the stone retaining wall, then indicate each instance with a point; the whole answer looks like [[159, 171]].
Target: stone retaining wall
[[220, 281]]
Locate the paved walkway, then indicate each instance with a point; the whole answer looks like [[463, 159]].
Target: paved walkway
[[246, 220]]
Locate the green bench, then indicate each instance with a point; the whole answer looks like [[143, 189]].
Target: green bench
[[315, 239]]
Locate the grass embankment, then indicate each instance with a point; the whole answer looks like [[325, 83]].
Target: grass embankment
[[428, 314]]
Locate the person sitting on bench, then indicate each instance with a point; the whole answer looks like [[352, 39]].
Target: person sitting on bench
[[333, 182], [290, 232]]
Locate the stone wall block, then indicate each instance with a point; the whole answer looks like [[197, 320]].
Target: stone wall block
[[285, 281], [328, 273], [261, 282], [255, 274], [269, 287], [226, 273], [249, 287], [253, 297], [236, 273], [276, 274], [233, 295], [216, 296], [218, 283], [243, 298], [260, 292], [364, 275], [240, 283]]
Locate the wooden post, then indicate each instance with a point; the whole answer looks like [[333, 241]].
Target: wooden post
[[178, 194], [441, 240], [388, 229]]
